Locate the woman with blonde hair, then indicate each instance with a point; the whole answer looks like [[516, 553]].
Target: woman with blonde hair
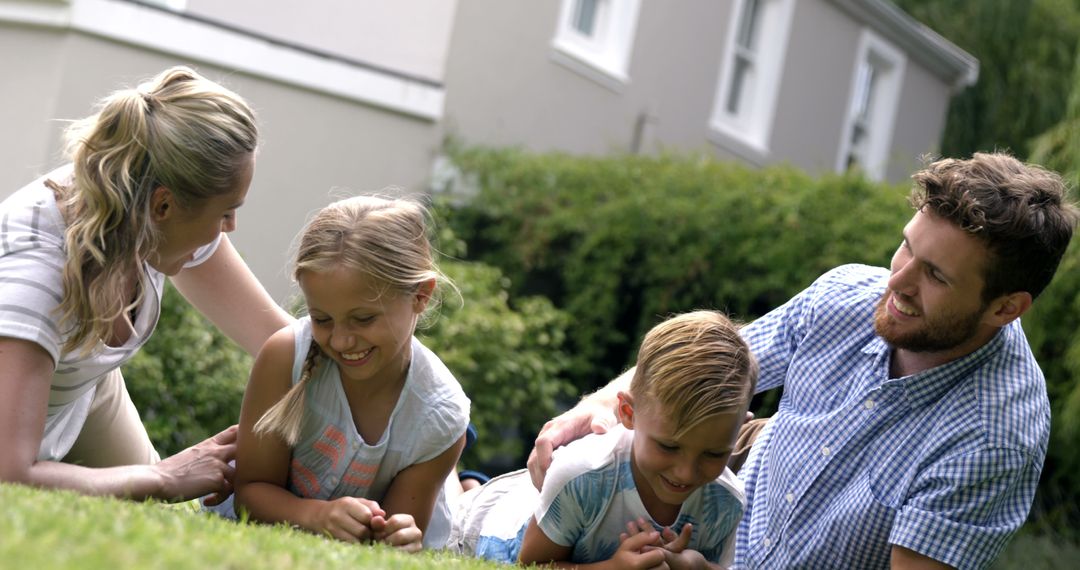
[[155, 179]]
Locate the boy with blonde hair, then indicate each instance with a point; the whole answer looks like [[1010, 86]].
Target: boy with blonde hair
[[656, 488]]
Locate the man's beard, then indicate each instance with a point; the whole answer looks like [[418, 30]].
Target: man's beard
[[936, 334]]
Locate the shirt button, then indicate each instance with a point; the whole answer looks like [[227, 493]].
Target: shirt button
[[790, 497], [826, 451], [333, 480], [869, 404], [766, 541]]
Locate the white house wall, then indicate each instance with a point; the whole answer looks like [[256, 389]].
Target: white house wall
[[503, 87], [408, 36], [924, 106], [313, 147], [814, 88], [30, 68]]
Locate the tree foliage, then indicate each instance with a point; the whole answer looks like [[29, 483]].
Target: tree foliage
[[508, 356], [1059, 147], [1054, 330], [1026, 49]]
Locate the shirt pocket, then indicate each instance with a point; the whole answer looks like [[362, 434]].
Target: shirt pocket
[[858, 525]]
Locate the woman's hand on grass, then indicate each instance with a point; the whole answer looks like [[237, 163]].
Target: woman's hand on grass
[[200, 470]]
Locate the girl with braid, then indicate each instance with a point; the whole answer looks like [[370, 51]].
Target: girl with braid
[[349, 425], [155, 180]]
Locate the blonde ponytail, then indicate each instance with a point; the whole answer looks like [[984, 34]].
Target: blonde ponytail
[[180, 131], [285, 417]]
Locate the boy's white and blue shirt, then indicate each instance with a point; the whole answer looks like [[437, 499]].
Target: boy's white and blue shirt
[[587, 498], [944, 462]]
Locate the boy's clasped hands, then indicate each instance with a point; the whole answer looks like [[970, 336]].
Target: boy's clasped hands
[[643, 547], [353, 519]]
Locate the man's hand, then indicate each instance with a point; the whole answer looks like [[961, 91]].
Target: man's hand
[[587, 417]]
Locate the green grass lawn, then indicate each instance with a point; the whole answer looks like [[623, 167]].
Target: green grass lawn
[[41, 530], [1030, 552]]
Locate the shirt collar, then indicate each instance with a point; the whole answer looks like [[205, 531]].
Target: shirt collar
[[923, 388]]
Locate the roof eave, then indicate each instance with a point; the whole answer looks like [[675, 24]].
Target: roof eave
[[958, 67]]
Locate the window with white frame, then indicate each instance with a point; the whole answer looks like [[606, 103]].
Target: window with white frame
[[871, 115], [750, 72], [595, 37]]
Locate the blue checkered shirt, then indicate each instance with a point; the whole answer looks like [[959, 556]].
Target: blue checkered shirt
[[943, 462]]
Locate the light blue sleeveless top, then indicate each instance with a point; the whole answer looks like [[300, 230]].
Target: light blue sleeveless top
[[331, 460]]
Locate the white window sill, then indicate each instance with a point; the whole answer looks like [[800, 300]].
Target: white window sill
[[589, 66], [738, 143]]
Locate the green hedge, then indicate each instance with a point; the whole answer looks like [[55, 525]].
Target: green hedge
[[1053, 328], [619, 242], [508, 358], [188, 380]]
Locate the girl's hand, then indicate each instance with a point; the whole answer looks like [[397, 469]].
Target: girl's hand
[[349, 518], [399, 531]]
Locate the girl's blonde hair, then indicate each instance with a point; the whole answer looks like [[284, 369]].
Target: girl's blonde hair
[[385, 239], [178, 130], [695, 366]]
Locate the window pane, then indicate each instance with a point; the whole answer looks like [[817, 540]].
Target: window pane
[[864, 90], [859, 136], [585, 16], [738, 85], [748, 24]]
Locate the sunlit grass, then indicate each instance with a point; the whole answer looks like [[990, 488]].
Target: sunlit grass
[[41, 530]]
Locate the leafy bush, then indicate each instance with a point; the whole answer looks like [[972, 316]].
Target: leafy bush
[[1053, 328], [620, 242], [508, 357], [188, 380]]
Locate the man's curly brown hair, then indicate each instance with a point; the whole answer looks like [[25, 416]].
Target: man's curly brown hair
[[1020, 211]]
